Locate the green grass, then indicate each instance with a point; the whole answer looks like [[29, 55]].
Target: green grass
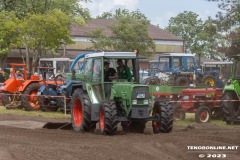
[[3, 110], [190, 120]]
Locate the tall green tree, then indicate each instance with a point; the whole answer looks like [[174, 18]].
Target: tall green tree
[[129, 33], [42, 33], [9, 37], [200, 37], [229, 23], [23, 7], [35, 18]]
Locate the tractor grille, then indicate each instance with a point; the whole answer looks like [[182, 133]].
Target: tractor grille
[[140, 92]]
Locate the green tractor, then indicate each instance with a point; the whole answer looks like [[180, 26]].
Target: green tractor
[[117, 101], [231, 95]]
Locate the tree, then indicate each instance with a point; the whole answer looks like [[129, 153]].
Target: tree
[[42, 33], [23, 7], [34, 12], [129, 33], [228, 22], [201, 38], [9, 37]]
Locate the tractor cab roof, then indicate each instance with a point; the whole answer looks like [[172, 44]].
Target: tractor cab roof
[[113, 55], [176, 55]]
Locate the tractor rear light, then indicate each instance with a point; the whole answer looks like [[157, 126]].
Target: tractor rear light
[[145, 101], [134, 101]]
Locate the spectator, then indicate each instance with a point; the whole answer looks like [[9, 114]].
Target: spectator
[[123, 70], [2, 78]]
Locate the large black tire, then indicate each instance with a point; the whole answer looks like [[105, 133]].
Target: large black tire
[[182, 81], [29, 99], [209, 81], [217, 113], [178, 113], [231, 110], [81, 111], [203, 115], [108, 118], [164, 111], [7, 98]]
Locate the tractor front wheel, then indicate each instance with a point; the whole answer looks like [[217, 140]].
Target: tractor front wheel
[[203, 115], [108, 118], [7, 98], [163, 110], [81, 111], [29, 99]]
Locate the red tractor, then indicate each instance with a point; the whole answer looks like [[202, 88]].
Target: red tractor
[[19, 91], [203, 102]]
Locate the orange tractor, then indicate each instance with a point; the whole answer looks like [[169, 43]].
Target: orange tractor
[[19, 91]]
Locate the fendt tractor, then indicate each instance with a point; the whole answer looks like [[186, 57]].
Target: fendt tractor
[[231, 95], [120, 100]]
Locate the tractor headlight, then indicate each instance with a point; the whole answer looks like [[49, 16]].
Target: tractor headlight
[[134, 101], [145, 101]]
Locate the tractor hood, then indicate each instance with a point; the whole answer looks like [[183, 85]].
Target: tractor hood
[[129, 91], [10, 85]]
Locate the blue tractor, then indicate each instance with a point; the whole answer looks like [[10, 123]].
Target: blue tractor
[[55, 87], [179, 69]]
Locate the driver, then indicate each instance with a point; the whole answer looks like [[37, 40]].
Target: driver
[[109, 73]]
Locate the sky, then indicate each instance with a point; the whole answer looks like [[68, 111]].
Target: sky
[[157, 11]]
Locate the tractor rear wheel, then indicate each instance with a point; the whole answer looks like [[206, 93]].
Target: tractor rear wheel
[[29, 99], [209, 81], [108, 118], [81, 111], [231, 110], [203, 115], [182, 81], [164, 111]]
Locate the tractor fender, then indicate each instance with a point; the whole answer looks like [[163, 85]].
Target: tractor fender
[[25, 84], [232, 88]]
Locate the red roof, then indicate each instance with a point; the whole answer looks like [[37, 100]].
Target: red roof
[[154, 32]]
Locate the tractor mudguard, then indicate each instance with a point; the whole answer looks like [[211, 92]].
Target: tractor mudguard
[[25, 84], [11, 85]]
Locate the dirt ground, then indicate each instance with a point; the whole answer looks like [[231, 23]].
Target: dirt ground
[[23, 138]]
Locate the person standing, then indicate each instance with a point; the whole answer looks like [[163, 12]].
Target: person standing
[[2, 78]]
